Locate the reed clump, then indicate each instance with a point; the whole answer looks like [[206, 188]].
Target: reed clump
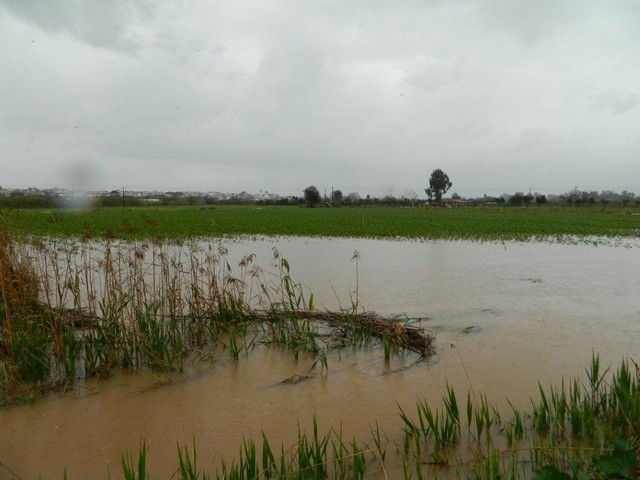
[[76, 309], [25, 329], [576, 431]]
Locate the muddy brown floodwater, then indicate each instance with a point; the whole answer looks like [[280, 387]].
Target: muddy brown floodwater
[[506, 316]]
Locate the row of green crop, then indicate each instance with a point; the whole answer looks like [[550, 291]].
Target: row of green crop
[[421, 223]]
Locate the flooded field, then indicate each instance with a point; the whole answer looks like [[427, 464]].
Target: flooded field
[[505, 317]]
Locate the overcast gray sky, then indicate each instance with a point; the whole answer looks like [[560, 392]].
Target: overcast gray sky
[[367, 96]]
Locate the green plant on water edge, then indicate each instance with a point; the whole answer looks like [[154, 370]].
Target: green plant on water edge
[[547, 436], [156, 306], [621, 463], [435, 443], [135, 470]]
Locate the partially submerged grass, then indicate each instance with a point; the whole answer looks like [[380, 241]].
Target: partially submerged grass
[[68, 313], [73, 310], [313, 456], [455, 442], [575, 430]]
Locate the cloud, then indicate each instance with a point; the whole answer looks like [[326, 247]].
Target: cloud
[[616, 102], [110, 25], [359, 95]]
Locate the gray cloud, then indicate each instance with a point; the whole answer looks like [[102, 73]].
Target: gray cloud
[[362, 96], [110, 25], [615, 102]]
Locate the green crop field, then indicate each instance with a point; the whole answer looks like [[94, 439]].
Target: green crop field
[[499, 223]]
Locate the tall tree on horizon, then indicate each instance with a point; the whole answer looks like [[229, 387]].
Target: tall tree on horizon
[[439, 183], [312, 196]]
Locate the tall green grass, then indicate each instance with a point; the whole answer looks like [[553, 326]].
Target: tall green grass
[[577, 430], [74, 309]]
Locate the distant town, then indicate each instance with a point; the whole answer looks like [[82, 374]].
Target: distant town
[[149, 195], [63, 197]]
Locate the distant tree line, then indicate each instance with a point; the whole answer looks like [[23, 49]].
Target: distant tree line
[[32, 201], [580, 198], [312, 197], [60, 201], [574, 198]]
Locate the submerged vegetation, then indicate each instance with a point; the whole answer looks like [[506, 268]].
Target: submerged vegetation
[[72, 310], [471, 223], [586, 430]]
